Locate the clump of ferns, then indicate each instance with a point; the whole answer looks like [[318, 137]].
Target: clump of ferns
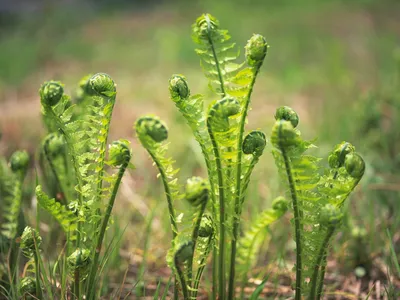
[[229, 154], [79, 140], [317, 200]]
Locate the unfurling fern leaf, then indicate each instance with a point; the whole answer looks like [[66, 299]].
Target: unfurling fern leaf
[[60, 212], [152, 132], [311, 196], [250, 243], [12, 192]]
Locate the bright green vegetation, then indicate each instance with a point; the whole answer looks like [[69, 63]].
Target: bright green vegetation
[[212, 249]]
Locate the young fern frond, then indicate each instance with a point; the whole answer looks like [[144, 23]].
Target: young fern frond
[[204, 245], [65, 217], [221, 130], [13, 193], [315, 198], [119, 156], [250, 243], [216, 53], [152, 132], [299, 172], [177, 257]]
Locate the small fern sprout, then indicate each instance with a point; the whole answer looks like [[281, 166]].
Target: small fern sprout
[[30, 241], [151, 127], [206, 25], [27, 288], [102, 84], [254, 143], [79, 263], [288, 114], [178, 88], [206, 226], [19, 162], [256, 50], [280, 204], [330, 216], [55, 144], [355, 165], [337, 157], [197, 191], [119, 153], [183, 251], [219, 113], [284, 135], [51, 93]]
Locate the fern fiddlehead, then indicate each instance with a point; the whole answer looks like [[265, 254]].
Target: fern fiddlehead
[[206, 231], [151, 132], [30, 244], [196, 193], [119, 156], [218, 124], [27, 288], [254, 236], [284, 137], [19, 162], [256, 50]]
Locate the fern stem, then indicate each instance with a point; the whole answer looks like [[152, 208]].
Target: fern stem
[[170, 207], [297, 213], [238, 206], [181, 279], [195, 235], [321, 281], [103, 229], [201, 268], [37, 275], [315, 280], [221, 192]]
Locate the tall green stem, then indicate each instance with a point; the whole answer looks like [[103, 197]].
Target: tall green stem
[[195, 235], [103, 230], [181, 279], [238, 208], [170, 208], [321, 281], [298, 229], [201, 268], [318, 263], [37, 274], [221, 191]]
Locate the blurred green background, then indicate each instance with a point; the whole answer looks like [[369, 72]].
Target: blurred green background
[[335, 62], [323, 54]]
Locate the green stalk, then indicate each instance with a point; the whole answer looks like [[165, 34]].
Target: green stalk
[[318, 263], [170, 208], [201, 269], [297, 213], [221, 258], [103, 229], [181, 279], [167, 194], [238, 206], [195, 235], [321, 282], [37, 275]]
